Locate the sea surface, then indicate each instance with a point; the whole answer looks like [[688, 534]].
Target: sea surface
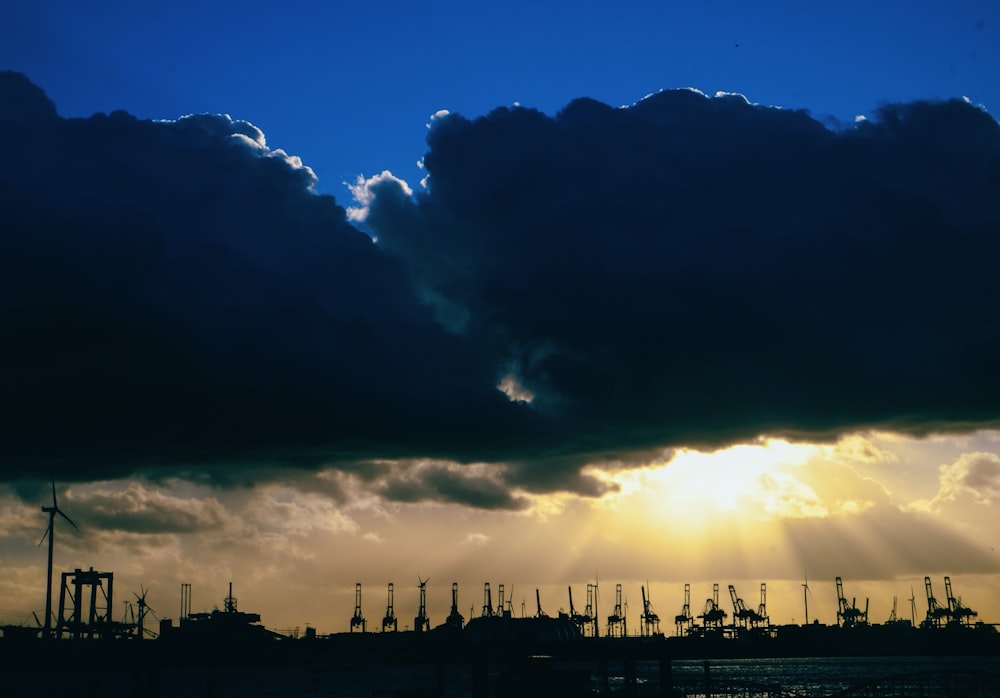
[[874, 677], [826, 676]]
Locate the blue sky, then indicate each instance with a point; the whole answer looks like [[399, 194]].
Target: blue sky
[[348, 87]]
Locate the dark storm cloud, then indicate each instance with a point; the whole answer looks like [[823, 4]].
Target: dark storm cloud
[[687, 271], [434, 482], [175, 295], [695, 270], [140, 510]]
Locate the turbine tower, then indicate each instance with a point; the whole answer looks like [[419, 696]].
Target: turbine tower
[[50, 532], [144, 608], [805, 596]]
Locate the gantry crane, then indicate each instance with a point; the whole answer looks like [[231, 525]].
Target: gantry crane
[[421, 622], [616, 621], [455, 619], [487, 601], [937, 615], [389, 621], [960, 615], [358, 620], [581, 620], [713, 616], [743, 616], [650, 621], [762, 617], [849, 615], [502, 609], [590, 611], [539, 613], [684, 620]]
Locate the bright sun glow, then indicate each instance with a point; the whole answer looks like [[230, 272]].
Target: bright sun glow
[[759, 480]]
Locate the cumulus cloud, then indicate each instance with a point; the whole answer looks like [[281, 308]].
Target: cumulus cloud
[[974, 477], [364, 191], [140, 509], [861, 448], [475, 485], [686, 271]]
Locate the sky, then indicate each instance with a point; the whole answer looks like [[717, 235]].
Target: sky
[[657, 294]]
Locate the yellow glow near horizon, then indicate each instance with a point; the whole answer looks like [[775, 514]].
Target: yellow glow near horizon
[[721, 511], [758, 480]]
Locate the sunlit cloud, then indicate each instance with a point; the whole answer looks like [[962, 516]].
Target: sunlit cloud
[[364, 191], [477, 539], [286, 511], [439, 114], [974, 477], [512, 387], [140, 508], [864, 448]]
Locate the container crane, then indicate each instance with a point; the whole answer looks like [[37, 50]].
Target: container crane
[[487, 601], [743, 615], [616, 621], [960, 615], [454, 619], [422, 623], [650, 621], [936, 613], [358, 620], [581, 620], [502, 611], [848, 615], [684, 620], [762, 617], [389, 620], [589, 611], [713, 616], [539, 613]]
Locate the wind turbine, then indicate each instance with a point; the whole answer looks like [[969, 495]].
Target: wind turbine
[[597, 626], [50, 532], [913, 607], [144, 608], [805, 595]]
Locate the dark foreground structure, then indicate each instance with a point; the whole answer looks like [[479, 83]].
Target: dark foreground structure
[[228, 653]]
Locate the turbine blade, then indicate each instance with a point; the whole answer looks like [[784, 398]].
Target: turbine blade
[[53, 488], [48, 530], [72, 523]]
